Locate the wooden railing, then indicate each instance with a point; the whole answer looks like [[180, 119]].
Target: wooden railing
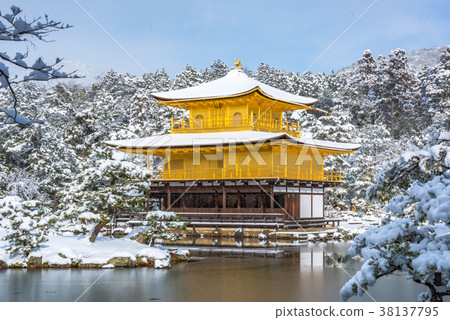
[[250, 122], [281, 172]]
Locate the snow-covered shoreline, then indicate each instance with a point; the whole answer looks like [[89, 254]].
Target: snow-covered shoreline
[[351, 225], [70, 251], [79, 252]]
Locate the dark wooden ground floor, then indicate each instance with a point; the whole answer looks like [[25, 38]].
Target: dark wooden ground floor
[[243, 203]]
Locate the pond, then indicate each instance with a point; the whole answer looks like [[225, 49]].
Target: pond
[[218, 273]]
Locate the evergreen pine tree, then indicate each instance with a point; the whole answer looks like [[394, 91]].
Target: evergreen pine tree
[[438, 91], [102, 189], [24, 223], [189, 77], [161, 225], [217, 70], [361, 92], [397, 95], [417, 187]]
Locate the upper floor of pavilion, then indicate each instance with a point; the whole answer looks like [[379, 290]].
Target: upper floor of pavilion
[[234, 102]]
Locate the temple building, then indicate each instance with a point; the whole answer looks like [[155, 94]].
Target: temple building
[[235, 161]]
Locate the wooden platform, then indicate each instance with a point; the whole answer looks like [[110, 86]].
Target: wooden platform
[[247, 220], [237, 220]]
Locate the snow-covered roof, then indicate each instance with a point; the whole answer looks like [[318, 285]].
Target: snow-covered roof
[[235, 83], [223, 138]]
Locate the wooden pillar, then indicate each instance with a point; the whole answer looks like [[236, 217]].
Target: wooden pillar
[[238, 201], [169, 202], [216, 201], [224, 197], [272, 198], [261, 201], [183, 201], [286, 207]]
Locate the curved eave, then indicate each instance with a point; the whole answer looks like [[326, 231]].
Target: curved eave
[[191, 146], [349, 148], [283, 137], [150, 150], [257, 90]]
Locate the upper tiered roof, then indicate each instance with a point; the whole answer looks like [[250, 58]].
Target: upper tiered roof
[[235, 84]]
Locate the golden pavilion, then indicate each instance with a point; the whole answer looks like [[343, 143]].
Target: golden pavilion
[[235, 161]]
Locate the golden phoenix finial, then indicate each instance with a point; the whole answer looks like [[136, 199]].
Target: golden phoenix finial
[[238, 64]]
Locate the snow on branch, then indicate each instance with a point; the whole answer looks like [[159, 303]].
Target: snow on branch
[[15, 27], [420, 165], [414, 238]]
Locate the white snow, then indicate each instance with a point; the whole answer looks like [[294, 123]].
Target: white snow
[[262, 236], [408, 155], [356, 225], [64, 250], [425, 246], [235, 83], [222, 138], [119, 156], [136, 231], [159, 264], [444, 136], [88, 216], [435, 152], [13, 202], [159, 214]]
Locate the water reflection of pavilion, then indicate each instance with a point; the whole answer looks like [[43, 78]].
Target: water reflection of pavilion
[[312, 255]]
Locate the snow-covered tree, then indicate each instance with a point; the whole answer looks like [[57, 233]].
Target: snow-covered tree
[[102, 189], [437, 91], [273, 77], [361, 91], [189, 77], [217, 70], [26, 223], [14, 27], [416, 236], [161, 225], [336, 126], [365, 164], [398, 93], [159, 81], [148, 118], [311, 84], [39, 158], [20, 183]]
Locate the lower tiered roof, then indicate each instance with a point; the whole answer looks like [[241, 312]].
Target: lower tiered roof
[[186, 140]]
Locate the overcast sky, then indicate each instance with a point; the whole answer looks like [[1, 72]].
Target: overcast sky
[[286, 34]]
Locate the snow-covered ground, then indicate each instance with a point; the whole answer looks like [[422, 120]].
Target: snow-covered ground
[[354, 223], [70, 250]]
